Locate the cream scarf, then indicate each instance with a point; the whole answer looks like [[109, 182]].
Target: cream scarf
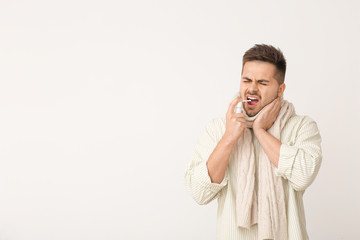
[[268, 209]]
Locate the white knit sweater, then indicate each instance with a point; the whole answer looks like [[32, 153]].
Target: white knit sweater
[[299, 162]]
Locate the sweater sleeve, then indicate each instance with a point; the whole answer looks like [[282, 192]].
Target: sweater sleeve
[[299, 162], [197, 179]]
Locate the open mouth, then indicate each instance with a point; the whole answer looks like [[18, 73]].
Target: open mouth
[[253, 101]]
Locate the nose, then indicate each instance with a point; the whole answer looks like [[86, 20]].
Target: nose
[[253, 87]]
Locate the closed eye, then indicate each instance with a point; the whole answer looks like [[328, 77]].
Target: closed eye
[[262, 83]]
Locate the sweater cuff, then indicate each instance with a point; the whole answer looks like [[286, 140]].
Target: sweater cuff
[[286, 160], [205, 180]]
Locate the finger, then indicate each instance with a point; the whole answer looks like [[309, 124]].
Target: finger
[[278, 101], [239, 115], [233, 104], [240, 119], [274, 101], [277, 106], [273, 104]]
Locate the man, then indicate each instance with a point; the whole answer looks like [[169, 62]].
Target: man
[[258, 162]]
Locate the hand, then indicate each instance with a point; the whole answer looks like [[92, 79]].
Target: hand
[[235, 122], [268, 116]]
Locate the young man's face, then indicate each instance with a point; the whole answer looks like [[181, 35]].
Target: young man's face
[[258, 81]]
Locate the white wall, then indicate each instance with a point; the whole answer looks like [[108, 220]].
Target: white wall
[[102, 103]]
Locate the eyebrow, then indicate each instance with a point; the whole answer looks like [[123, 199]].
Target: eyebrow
[[260, 80]]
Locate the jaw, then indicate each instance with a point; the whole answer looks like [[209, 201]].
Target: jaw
[[252, 111]]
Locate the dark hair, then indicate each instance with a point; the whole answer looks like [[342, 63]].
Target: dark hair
[[267, 53]]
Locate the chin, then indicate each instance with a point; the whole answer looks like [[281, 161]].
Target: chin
[[252, 112]]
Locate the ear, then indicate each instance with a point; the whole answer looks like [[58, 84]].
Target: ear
[[281, 89]]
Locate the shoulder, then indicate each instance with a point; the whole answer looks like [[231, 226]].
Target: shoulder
[[301, 124], [300, 121]]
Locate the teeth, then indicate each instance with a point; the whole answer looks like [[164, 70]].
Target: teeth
[[251, 98]]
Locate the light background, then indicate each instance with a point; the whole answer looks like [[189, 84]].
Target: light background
[[102, 103]]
